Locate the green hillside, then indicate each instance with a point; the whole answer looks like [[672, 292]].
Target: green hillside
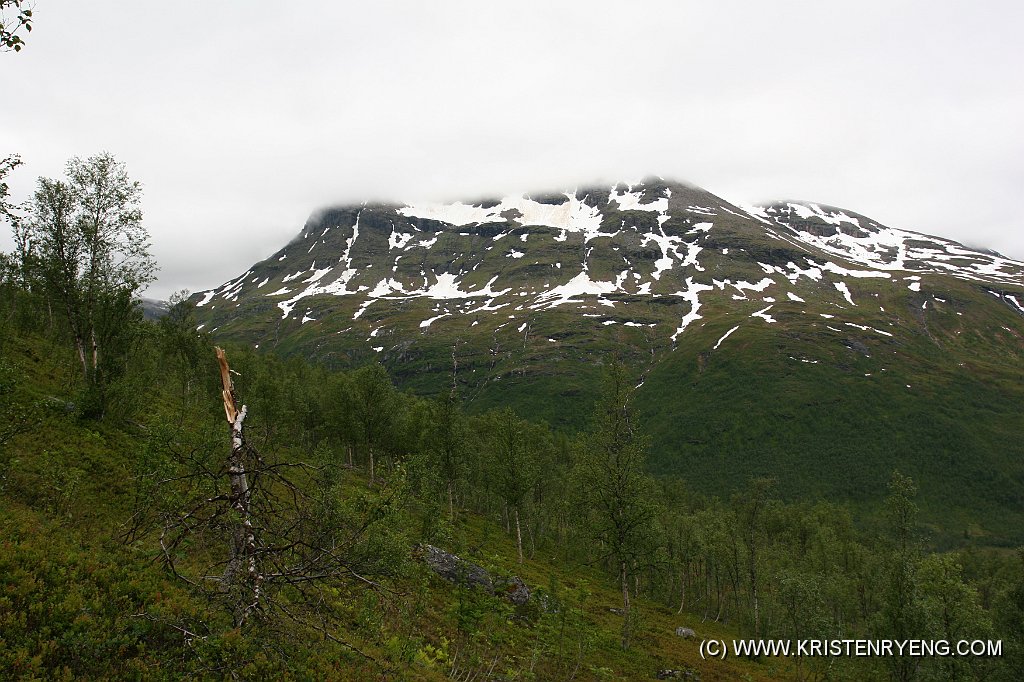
[[829, 413], [86, 590], [83, 593]]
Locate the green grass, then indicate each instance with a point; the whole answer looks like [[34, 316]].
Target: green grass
[[77, 602]]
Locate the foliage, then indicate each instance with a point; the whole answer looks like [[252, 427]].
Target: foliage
[[18, 414], [8, 211], [14, 16], [615, 491], [86, 241]]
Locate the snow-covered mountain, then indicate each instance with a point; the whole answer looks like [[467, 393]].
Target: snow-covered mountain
[[595, 250], [765, 339]]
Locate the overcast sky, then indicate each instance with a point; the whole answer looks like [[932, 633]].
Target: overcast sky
[[240, 118]]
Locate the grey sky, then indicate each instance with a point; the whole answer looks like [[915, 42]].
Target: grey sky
[[240, 118]]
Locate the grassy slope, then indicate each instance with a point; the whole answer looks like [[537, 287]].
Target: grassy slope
[[69, 593]]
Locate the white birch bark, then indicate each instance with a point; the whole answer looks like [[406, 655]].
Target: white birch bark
[[243, 567]]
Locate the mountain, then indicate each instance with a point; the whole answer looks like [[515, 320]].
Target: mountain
[[794, 340], [153, 309]]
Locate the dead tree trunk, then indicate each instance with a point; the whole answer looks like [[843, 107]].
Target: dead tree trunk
[[242, 575]]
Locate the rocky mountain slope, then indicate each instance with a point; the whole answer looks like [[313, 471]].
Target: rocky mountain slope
[[769, 340]]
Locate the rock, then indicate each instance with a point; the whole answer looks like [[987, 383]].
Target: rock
[[457, 570], [617, 612], [686, 633], [672, 674], [65, 406], [516, 591]]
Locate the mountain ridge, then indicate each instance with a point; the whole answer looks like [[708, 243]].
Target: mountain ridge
[[520, 300], [818, 228]]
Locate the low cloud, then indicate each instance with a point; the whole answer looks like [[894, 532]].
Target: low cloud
[[241, 122]]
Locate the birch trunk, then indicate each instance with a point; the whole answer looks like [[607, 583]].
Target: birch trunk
[[95, 351], [624, 579], [519, 536], [531, 535], [682, 599], [370, 448], [242, 572], [80, 349]]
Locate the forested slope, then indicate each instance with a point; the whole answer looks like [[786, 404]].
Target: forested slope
[[97, 584]]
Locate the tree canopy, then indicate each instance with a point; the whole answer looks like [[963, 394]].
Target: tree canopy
[[15, 15], [85, 243]]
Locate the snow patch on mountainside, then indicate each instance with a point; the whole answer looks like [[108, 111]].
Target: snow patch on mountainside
[[692, 296], [763, 314], [887, 248], [845, 291], [725, 336], [572, 215], [630, 201], [829, 247], [580, 285]]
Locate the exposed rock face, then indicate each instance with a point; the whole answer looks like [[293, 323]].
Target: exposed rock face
[[457, 570]]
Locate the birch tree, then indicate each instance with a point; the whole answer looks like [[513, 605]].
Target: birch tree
[[242, 572], [515, 444], [614, 487], [373, 403], [902, 615], [447, 444], [749, 508], [93, 252]]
